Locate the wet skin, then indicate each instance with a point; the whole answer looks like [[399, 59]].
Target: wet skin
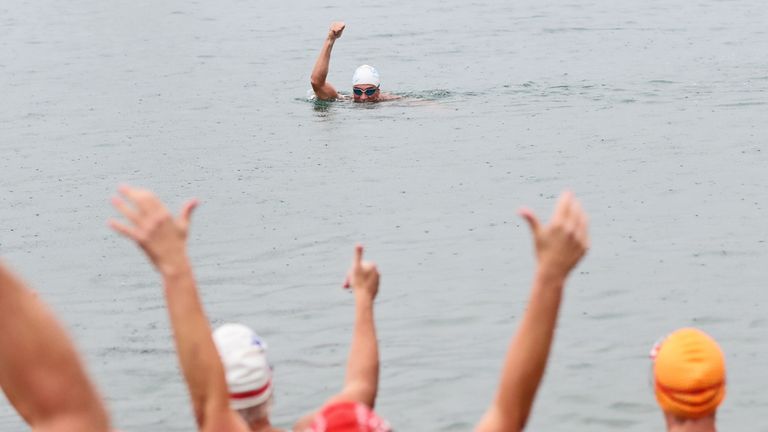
[[364, 98]]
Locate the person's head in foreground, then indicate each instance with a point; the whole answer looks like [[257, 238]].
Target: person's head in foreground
[[248, 373], [689, 379], [348, 417], [365, 84]]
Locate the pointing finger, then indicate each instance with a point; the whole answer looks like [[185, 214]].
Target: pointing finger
[[358, 255]]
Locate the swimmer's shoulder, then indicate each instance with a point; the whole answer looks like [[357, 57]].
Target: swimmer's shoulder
[[389, 97]]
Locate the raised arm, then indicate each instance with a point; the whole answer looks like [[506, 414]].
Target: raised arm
[[40, 371], [164, 239], [362, 378], [559, 246], [323, 89]]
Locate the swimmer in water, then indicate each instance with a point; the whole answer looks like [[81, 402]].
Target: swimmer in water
[[689, 380], [40, 371], [365, 80], [559, 246]]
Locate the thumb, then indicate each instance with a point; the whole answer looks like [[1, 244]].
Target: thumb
[[186, 212], [529, 217]]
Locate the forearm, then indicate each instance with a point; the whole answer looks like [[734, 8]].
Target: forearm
[[363, 364], [197, 353], [320, 71], [528, 352], [40, 371]]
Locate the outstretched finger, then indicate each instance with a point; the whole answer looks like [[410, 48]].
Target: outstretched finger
[[358, 260], [347, 283], [186, 212], [144, 200], [125, 210], [128, 231], [585, 232], [563, 207], [581, 224], [533, 221], [572, 218], [576, 213]]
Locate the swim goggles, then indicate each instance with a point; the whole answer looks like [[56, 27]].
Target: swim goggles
[[368, 92]]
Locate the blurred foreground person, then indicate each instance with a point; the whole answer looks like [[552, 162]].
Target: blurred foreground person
[[689, 380], [40, 372], [365, 80], [248, 373], [231, 388], [559, 247]]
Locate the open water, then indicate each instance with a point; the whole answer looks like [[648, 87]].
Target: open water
[[655, 113]]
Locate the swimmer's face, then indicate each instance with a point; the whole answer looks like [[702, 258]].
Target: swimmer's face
[[365, 93]]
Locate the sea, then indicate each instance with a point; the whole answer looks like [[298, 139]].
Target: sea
[[654, 113]]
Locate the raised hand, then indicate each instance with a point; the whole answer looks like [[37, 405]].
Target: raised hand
[[363, 276], [559, 246], [162, 237], [336, 29], [561, 243]]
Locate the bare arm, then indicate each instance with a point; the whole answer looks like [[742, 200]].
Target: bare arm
[[40, 371], [323, 89], [362, 379], [163, 239], [559, 246]]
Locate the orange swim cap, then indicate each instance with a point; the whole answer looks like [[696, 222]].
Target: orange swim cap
[[689, 374]]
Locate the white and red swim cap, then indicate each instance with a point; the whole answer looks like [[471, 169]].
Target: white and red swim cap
[[248, 373]]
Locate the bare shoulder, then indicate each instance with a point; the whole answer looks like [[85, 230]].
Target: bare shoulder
[[389, 97], [303, 423]]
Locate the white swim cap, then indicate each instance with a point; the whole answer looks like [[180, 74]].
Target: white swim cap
[[366, 75], [244, 355]]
